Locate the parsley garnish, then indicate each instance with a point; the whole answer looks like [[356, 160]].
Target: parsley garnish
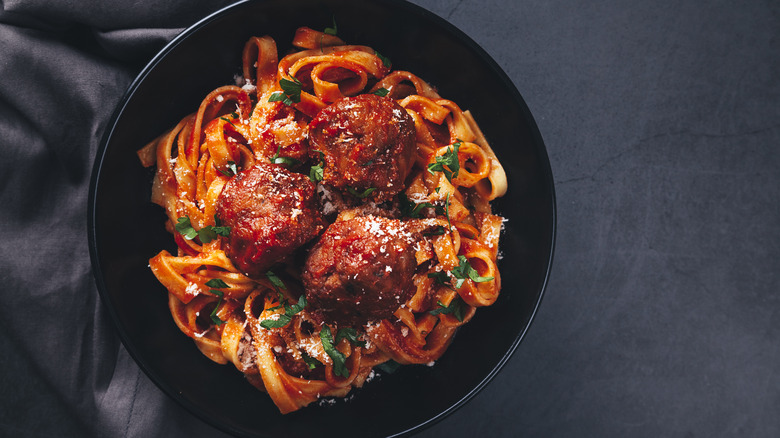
[[316, 173], [231, 169], [184, 227], [447, 163], [205, 234], [338, 357], [275, 281], [382, 92], [286, 317], [389, 367], [464, 271], [219, 284], [350, 335], [441, 277], [437, 231], [290, 94], [332, 30], [276, 159], [410, 208], [385, 59], [447, 211], [233, 114], [361, 195], [310, 361], [461, 273], [457, 308]]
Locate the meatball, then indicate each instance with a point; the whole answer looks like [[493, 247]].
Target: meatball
[[368, 142], [360, 270], [271, 212]]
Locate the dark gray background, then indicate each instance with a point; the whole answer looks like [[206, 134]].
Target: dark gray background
[[662, 122]]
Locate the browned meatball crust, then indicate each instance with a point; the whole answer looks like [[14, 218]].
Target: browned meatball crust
[[368, 142], [271, 212], [360, 270]]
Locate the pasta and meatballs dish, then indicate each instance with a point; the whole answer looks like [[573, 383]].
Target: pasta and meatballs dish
[[331, 217]]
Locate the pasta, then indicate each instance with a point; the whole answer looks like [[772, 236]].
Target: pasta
[[332, 216]]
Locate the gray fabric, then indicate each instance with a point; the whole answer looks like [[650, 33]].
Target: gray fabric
[[662, 121]]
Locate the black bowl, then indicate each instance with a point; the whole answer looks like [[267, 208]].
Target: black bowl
[[126, 229]]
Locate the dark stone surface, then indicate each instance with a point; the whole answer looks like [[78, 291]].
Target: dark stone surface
[[662, 122]]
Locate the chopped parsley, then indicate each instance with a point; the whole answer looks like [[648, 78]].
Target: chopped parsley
[[338, 357], [350, 335], [447, 211], [410, 208], [438, 230], [290, 94], [275, 281], [205, 234], [464, 271], [441, 277], [382, 92], [389, 367], [385, 60], [316, 172], [218, 284], [287, 316], [234, 115], [361, 195], [332, 30], [310, 361], [447, 163], [231, 169], [288, 161], [457, 308], [461, 273]]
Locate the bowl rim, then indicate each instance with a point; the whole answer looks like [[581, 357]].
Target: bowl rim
[[120, 108]]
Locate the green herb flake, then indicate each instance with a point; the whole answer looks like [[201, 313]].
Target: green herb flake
[[338, 357], [456, 307], [465, 271], [214, 317], [284, 318], [438, 230], [364, 194], [275, 280], [295, 308], [310, 361], [351, 335], [288, 161], [447, 211], [447, 163], [217, 283], [332, 30], [184, 227], [410, 208], [440, 277], [385, 60], [389, 367], [382, 92], [290, 94], [281, 321], [205, 234], [317, 172], [231, 169]]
